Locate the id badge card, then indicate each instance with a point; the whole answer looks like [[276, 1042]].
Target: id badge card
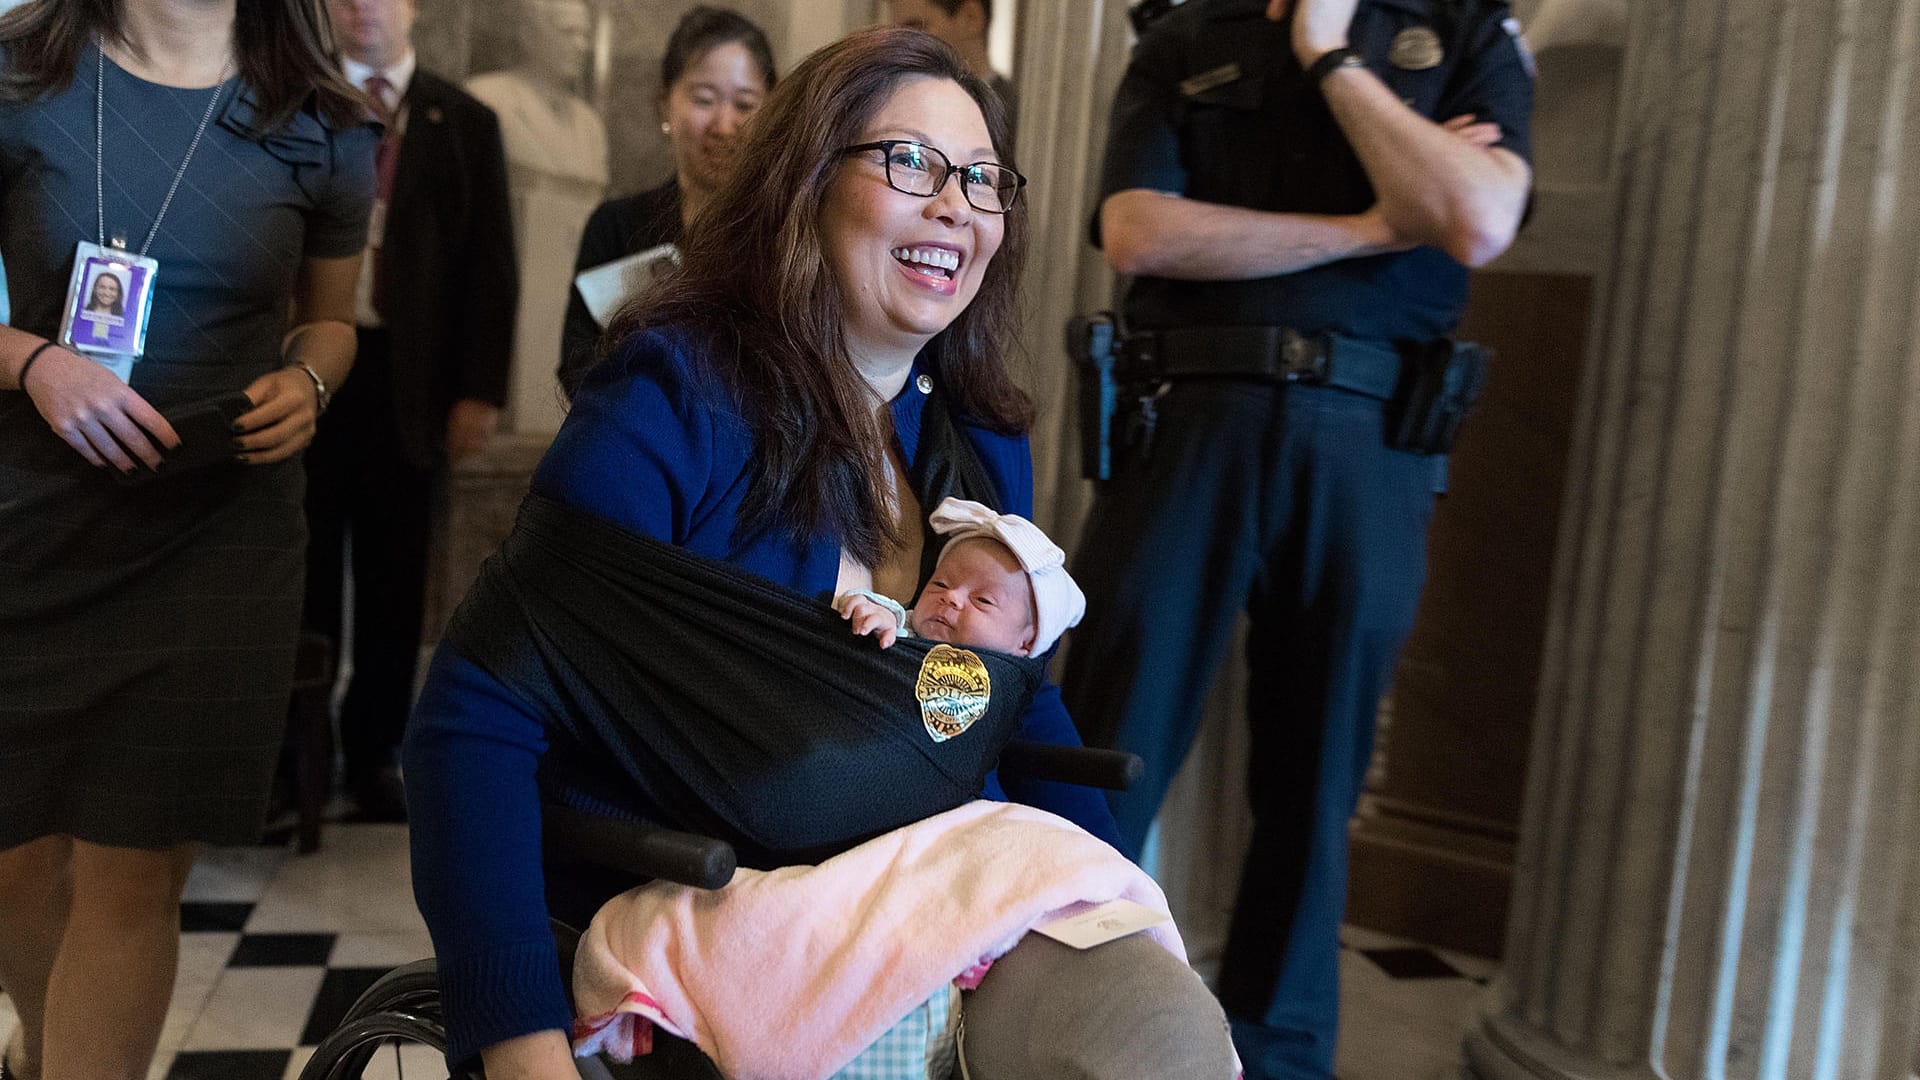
[[109, 297]]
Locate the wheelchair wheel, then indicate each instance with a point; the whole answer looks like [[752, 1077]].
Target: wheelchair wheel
[[411, 988], [393, 1030], [378, 1044]]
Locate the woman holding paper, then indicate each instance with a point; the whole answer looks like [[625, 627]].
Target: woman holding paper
[[717, 70]]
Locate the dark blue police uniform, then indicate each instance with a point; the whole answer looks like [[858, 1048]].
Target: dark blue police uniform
[[1282, 500]]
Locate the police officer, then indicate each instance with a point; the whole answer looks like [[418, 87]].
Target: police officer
[[1298, 189]]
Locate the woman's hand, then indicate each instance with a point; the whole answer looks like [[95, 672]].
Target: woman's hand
[[543, 1055], [97, 414], [281, 422], [870, 618]]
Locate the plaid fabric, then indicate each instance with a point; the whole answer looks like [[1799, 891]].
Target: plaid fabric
[[919, 1047]]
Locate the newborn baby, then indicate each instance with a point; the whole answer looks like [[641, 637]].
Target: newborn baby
[[1000, 584]]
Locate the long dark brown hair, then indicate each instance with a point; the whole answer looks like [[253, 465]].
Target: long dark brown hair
[[282, 46], [775, 333]]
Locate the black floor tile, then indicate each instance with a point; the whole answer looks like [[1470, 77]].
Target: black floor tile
[[1412, 963], [282, 950], [232, 918], [338, 991], [230, 1065]]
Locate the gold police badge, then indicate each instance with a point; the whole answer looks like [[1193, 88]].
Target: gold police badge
[[953, 689], [1417, 48]]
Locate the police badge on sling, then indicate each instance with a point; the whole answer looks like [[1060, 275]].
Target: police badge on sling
[[953, 689]]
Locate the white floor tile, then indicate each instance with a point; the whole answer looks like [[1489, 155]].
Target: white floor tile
[[203, 957], [415, 1063], [256, 1009], [232, 875], [380, 950], [357, 883]]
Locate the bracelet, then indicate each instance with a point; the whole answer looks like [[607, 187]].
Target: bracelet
[[321, 395], [20, 380], [1331, 61]]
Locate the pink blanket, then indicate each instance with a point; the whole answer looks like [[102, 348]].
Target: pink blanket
[[788, 975]]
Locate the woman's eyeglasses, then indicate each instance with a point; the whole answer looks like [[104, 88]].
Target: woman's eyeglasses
[[919, 169]]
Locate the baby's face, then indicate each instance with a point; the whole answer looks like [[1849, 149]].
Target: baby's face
[[978, 596]]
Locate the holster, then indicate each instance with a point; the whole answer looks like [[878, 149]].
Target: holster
[[1092, 342], [1427, 388], [1439, 382]]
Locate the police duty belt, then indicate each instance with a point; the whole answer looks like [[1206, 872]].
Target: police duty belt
[[1267, 353]]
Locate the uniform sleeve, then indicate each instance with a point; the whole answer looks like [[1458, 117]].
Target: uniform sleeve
[[490, 296], [1143, 137], [337, 226], [1495, 80]]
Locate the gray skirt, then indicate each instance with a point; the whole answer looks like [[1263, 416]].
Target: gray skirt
[[147, 639]]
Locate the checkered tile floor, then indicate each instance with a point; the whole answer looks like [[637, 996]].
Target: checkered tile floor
[[276, 946]]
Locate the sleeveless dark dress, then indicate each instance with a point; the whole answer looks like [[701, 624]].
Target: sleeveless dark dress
[[147, 633]]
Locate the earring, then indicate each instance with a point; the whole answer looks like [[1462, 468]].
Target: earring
[[666, 128]]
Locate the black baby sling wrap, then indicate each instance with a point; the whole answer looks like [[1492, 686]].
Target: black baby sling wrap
[[737, 708]]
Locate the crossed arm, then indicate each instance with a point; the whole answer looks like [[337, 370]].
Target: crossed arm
[[1440, 184]]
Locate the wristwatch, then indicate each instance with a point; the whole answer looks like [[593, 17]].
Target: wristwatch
[[321, 395], [1332, 61]]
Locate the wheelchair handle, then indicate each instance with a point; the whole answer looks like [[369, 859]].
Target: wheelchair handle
[[1114, 770], [640, 849]]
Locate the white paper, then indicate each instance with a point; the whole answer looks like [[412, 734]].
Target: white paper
[[1101, 923], [607, 286]]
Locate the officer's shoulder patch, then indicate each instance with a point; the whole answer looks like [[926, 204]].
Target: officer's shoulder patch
[[1210, 80]]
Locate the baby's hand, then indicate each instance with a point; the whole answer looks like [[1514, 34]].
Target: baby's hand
[[869, 618]]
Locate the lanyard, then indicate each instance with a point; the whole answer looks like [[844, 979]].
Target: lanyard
[[100, 148]]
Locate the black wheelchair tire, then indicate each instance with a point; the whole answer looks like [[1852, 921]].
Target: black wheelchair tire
[[413, 988], [346, 1053]]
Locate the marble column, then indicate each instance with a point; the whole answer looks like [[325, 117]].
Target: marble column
[[1071, 54], [1720, 852]]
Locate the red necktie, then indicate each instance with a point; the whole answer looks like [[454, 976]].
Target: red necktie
[[384, 159], [381, 91]]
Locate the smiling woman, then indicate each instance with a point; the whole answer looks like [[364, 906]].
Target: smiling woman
[[828, 359], [717, 71]]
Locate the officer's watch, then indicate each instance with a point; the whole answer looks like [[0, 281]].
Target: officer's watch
[[1332, 61]]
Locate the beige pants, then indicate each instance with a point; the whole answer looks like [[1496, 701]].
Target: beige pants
[[1126, 1010]]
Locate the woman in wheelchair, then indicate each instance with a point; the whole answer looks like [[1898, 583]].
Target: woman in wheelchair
[[768, 429]]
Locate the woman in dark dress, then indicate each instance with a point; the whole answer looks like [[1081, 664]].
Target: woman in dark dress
[[147, 631], [717, 70]]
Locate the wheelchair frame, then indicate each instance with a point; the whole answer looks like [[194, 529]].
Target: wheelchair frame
[[405, 1002]]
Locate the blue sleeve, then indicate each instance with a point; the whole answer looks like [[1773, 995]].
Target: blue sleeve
[[637, 447], [633, 451], [471, 753], [1046, 721], [1046, 718]]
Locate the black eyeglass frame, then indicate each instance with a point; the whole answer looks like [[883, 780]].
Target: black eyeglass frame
[[887, 145]]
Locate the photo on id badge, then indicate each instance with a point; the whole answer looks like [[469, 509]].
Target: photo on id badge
[[106, 310]]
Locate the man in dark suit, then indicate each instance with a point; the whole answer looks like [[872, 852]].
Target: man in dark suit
[[437, 299]]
